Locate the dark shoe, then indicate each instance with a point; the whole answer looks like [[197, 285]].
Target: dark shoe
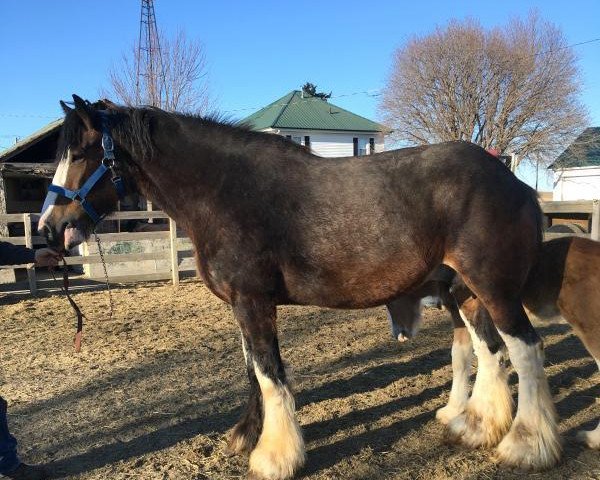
[[28, 472]]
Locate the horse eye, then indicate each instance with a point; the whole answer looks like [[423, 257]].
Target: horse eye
[[77, 158]]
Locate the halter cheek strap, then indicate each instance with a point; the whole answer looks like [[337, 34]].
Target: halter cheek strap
[[107, 164]]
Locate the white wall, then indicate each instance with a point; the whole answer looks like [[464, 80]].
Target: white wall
[[335, 144], [577, 184]]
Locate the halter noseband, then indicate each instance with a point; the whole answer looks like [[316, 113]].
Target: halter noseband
[[107, 164]]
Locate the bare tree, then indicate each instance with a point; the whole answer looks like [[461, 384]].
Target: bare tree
[[185, 85], [515, 89]]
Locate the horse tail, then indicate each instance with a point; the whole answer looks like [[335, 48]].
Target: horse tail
[[538, 214]]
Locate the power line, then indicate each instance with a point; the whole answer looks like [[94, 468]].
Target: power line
[[375, 92], [370, 93], [585, 42]]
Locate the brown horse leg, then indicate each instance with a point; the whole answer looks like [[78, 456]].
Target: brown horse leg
[[244, 436], [279, 451], [488, 412], [591, 339]]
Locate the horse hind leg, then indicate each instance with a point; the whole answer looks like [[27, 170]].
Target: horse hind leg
[[591, 438], [279, 450], [533, 442], [487, 415], [583, 320]]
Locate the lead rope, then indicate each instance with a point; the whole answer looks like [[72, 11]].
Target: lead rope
[[101, 253], [65, 288]]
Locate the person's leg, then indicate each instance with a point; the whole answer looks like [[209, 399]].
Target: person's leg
[[10, 465], [9, 461]]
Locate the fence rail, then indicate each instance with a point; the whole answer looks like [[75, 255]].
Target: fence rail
[[173, 254], [583, 210], [588, 210]]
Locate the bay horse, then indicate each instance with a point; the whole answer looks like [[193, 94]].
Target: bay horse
[[563, 284], [273, 224]]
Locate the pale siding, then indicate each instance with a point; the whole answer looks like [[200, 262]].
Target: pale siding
[[577, 184], [331, 144], [335, 144]]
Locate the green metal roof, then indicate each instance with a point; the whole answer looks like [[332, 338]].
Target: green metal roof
[[583, 152], [304, 112]]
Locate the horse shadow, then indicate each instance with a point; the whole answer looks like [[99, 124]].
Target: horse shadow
[[142, 434], [216, 412]]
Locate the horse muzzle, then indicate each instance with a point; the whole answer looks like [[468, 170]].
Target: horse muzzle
[[54, 238], [63, 238]]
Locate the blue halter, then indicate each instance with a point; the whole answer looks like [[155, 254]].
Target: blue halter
[[107, 164]]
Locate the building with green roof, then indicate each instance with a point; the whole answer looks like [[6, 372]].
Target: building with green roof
[[577, 169], [328, 130]]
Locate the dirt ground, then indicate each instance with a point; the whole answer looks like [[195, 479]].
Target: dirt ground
[[155, 389]]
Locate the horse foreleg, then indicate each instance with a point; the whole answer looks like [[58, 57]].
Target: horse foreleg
[[244, 436], [279, 451], [488, 413]]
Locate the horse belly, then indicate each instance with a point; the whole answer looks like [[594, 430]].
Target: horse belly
[[353, 286]]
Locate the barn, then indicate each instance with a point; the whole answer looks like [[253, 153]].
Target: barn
[[25, 172], [326, 129], [577, 169]]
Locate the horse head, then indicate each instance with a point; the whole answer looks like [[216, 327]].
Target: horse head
[[85, 186]]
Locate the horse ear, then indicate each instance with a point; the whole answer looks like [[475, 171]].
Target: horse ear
[[84, 111], [65, 107]]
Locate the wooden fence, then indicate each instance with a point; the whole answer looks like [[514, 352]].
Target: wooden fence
[[587, 211], [581, 211], [174, 254]]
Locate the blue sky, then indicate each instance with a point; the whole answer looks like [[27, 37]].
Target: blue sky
[[257, 51]]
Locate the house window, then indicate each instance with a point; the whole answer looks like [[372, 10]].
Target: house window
[[355, 146], [371, 146], [307, 141], [289, 137], [297, 140]]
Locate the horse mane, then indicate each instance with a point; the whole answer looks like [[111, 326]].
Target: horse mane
[[133, 125], [136, 129]]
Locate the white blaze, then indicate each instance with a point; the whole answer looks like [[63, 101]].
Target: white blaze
[[60, 178]]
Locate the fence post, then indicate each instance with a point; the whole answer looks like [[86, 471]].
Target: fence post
[[174, 257], [29, 243], [595, 233]]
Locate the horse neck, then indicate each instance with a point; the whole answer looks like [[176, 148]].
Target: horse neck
[[178, 175]]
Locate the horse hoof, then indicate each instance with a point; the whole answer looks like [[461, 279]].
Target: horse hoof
[[446, 414], [590, 438], [272, 462], [476, 429], [527, 450]]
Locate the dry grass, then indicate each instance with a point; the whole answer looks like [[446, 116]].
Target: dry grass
[[155, 389]]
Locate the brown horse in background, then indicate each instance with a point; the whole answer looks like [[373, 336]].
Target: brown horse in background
[[274, 224], [564, 284]]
